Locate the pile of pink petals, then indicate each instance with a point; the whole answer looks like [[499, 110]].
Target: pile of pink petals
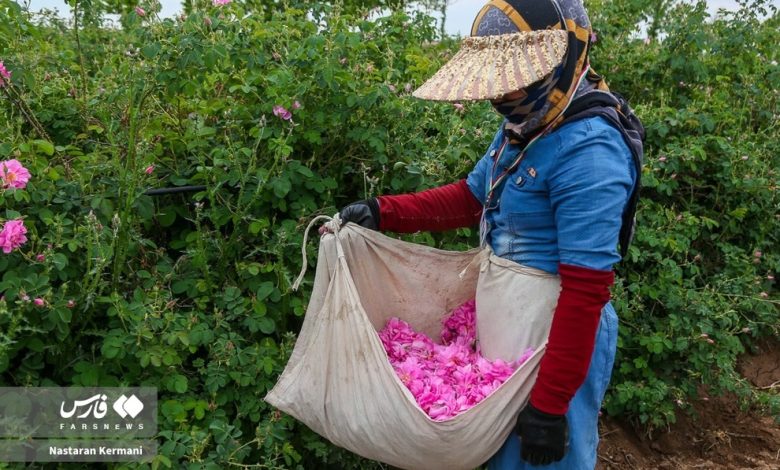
[[448, 378]]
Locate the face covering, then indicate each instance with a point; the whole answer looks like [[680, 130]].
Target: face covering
[[518, 106]]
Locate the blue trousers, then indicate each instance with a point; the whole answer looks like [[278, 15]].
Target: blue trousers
[[583, 414]]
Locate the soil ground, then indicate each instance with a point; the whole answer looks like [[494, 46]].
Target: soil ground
[[718, 434]]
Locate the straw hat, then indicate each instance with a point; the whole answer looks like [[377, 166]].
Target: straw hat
[[503, 54]]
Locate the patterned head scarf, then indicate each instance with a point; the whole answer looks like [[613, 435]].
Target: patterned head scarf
[[543, 102]]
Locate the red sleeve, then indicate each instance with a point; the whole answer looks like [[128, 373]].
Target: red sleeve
[[443, 208], [584, 292]]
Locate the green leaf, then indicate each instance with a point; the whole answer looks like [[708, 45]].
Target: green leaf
[[264, 290], [44, 146], [281, 187], [60, 261], [167, 217], [266, 325], [170, 358], [256, 226], [179, 383], [111, 348], [150, 50], [173, 409], [35, 344], [64, 315], [159, 460], [181, 286], [739, 213]]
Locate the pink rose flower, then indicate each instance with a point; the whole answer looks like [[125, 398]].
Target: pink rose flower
[[448, 378], [219, 3], [5, 74], [39, 302], [149, 169], [13, 175], [13, 235], [282, 113], [296, 105], [71, 303], [40, 258], [140, 11]]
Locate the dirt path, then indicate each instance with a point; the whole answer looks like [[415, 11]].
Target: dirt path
[[717, 436]]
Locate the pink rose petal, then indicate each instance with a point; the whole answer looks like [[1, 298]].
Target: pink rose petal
[[13, 235], [13, 175], [448, 378]]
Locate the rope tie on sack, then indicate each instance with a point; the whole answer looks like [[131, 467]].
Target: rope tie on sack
[[333, 224], [478, 260]]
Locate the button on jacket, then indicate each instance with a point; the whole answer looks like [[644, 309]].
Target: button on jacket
[[564, 201]]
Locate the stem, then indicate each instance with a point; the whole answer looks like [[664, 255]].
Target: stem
[[127, 189], [17, 99], [240, 211], [81, 59], [443, 16], [202, 257]]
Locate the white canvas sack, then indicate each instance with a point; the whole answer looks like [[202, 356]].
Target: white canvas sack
[[339, 381]]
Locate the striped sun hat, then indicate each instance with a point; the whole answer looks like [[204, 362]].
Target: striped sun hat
[[511, 47]]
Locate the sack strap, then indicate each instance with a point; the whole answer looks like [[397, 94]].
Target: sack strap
[[333, 224]]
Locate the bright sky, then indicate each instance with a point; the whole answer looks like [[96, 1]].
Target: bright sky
[[459, 15]]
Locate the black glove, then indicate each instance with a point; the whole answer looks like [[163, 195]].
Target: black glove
[[544, 438], [364, 213]]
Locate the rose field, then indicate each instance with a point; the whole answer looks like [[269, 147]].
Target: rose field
[[157, 176]]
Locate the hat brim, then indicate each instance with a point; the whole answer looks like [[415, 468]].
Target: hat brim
[[488, 67]]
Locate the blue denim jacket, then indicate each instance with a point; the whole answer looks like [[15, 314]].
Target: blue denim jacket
[[564, 202]]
